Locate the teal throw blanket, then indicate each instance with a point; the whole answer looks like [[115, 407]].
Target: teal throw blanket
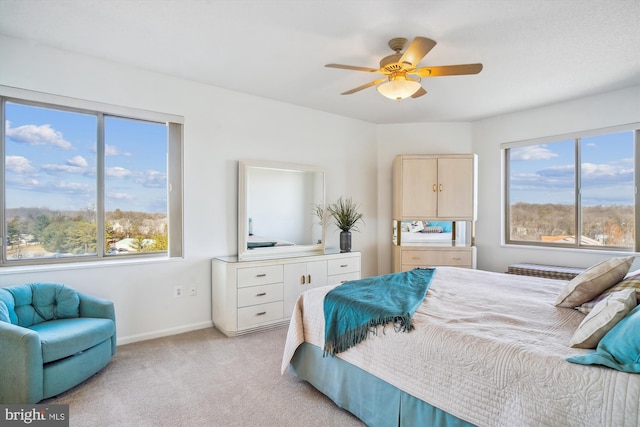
[[354, 308]]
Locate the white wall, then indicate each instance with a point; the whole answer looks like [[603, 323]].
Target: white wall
[[610, 109], [221, 127]]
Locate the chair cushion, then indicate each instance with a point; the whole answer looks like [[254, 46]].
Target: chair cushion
[[39, 302], [65, 337]]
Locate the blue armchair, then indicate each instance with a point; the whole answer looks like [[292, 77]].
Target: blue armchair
[[51, 339]]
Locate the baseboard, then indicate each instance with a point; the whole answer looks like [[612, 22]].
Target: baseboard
[[164, 333]]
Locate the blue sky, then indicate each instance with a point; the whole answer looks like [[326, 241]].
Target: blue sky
[[545, 173], [50, 161]]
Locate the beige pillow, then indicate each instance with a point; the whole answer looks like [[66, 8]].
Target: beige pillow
[[629, 282], [604, 316], [591, 282]]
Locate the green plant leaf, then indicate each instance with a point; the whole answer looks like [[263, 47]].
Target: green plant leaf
[[345, 214]]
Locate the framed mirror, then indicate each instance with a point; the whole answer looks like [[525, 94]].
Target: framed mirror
[[277, 209]]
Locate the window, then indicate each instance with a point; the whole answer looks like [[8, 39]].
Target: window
[[86, 181], [582, 185]]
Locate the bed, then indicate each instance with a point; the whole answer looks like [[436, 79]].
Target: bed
[[488, 349]]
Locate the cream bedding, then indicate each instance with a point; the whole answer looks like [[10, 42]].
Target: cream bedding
[[489, 348]]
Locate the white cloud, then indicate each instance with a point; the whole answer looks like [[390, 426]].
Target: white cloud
[[18, 165], [78, 161], [117, 172], [558, 171], [112, 150], [53, 169], [152, 178], [72, 187], [37, 135], [532, 152], [121, 196]]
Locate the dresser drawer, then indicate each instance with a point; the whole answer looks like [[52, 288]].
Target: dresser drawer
[[253, 295], [341, 278], [252, 276], [257, 314], [435, 257], [344, 265]]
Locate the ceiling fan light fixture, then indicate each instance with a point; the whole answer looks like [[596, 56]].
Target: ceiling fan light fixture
[[399, 87]]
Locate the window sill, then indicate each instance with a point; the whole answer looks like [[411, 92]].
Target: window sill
[[22, 269], [573, 250]]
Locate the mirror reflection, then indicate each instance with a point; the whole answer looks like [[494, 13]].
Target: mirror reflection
[[277, 209]]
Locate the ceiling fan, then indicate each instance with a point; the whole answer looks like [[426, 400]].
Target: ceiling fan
[[398, 67]]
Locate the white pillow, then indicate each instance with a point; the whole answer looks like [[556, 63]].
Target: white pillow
[[593, 281], [604, 316]]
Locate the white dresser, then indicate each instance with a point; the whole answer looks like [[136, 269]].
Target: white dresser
[[252, 295]]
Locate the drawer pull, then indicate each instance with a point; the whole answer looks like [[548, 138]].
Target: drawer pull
[[415, 257], [308, 278], [262, 313], [344, 265], [302, 282], [457, 258], [261, 275], [261, 294]]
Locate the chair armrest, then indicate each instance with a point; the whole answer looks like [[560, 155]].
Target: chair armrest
[[21, 369], [91, 306]]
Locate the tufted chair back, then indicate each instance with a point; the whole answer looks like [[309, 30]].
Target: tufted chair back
[[30, 304]]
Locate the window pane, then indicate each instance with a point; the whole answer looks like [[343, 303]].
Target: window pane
[[135, 186], [607, 190], [542, 192], [50, 183]]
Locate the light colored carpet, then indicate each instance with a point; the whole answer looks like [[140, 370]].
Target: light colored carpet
[[200, 378]]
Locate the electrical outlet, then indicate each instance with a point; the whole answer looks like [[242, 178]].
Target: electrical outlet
[[178, 291], [193, 290]]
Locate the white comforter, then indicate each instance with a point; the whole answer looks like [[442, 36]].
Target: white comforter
[[489, 348]]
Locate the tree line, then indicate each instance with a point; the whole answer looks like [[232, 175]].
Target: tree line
[[608, 225], [74, 232]]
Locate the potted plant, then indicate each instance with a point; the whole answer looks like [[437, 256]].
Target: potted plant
[[346, 217]]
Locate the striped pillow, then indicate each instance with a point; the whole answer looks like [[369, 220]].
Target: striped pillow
[[628, 283], [432, 229], [593, 281], [604, 316]]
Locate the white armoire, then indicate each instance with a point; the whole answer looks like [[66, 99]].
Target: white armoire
[[438, 187]]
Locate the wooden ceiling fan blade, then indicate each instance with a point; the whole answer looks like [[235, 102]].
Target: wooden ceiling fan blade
[[449, 70], [419, 93], [354, 68], [364, 86], [417, 50]]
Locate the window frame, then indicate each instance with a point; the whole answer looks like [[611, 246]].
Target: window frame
[[174, 186], [576, 137]]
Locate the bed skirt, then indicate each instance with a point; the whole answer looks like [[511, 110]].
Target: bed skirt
[[374, 401]]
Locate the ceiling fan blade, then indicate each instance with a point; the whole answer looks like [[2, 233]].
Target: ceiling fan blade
[[359, 88], [449, 70], [417, 50], [353, 67], [419, 92]]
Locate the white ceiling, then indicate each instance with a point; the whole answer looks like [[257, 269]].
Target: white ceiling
[[534, 52]]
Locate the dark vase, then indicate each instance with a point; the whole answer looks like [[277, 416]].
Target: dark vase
[[345, 241]]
